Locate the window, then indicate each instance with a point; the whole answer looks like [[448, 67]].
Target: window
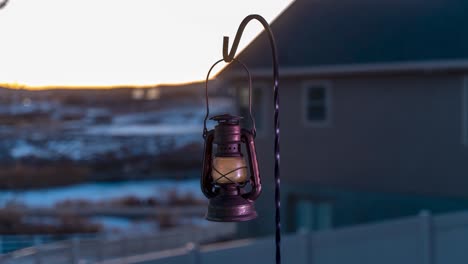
[[464, 109], [317, 98]]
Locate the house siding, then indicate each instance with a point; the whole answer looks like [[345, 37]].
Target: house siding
[[396, 135]]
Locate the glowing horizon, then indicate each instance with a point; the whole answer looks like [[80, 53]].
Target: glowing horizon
[[18, 86], [109, 43]]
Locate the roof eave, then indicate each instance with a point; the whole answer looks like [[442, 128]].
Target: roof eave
[[426, 67]]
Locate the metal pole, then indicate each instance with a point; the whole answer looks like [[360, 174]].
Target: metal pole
[[228, 57]]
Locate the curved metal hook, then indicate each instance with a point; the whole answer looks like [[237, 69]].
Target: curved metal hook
[[229, 56], [3, 3]]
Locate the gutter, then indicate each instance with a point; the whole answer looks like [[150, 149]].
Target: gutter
[[347, 70]]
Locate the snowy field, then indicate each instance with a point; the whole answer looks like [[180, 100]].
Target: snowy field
[[179, 126], [96, 192], [151, 133]]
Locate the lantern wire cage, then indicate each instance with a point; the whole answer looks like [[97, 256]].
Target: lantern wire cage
[[228, 56]]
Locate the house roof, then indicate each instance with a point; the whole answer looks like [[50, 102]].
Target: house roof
[[326, 33]]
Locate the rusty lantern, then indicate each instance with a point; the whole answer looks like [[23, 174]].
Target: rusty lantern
[[226, 176]]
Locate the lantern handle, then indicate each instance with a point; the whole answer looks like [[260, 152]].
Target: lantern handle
[[252, 119]]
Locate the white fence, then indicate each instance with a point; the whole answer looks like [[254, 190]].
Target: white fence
[[9, 243], [423, 239], [95, 250]]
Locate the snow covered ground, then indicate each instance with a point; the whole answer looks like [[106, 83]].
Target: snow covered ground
[[127, 134], [144, 130], [119, 225], [135, 132], [96, 192]]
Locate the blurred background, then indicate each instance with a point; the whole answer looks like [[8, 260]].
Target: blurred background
[[101, 118], [99, 149]]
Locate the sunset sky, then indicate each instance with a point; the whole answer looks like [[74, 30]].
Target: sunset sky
[[116, 42]]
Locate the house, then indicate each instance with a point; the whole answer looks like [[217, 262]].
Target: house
[[374, 111]]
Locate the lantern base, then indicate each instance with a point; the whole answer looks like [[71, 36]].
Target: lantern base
[[230, 206]]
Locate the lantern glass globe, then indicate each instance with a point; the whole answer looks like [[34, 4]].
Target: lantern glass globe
[[234, 170]]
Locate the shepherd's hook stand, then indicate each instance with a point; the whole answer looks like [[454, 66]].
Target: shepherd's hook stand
[[228, 57]]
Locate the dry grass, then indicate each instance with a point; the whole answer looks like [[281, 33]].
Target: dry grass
[[176, 199], [12, 222], [21, 176], [173, 198]]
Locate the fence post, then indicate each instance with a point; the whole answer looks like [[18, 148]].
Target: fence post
[[124, 246], [75, 250], [194, 252], [310, 247], [100, 244], [37, 244], [427, 237]]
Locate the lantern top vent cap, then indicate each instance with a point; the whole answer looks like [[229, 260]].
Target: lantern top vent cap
[[227, 118]]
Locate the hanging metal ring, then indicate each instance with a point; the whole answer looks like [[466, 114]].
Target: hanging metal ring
[[205, 130]]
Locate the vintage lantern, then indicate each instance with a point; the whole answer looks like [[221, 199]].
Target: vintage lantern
[[226, 175], [226, 186]]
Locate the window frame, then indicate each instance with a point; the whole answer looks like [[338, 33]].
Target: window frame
[[328, 103]]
